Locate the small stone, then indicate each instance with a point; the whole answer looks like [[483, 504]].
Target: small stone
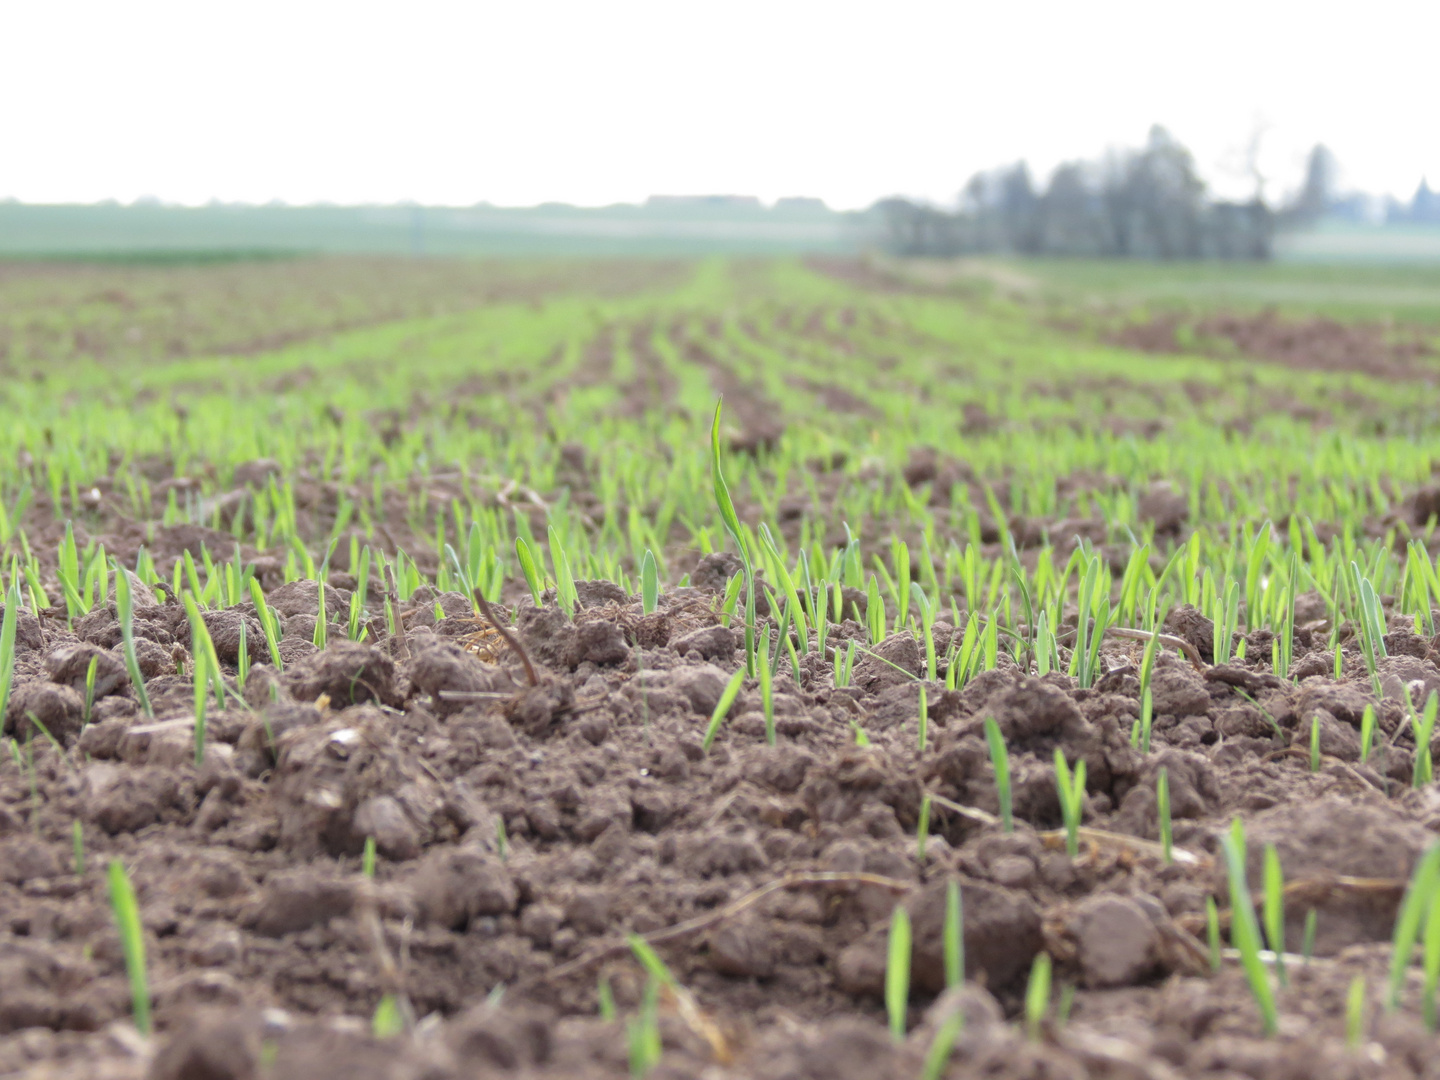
[[711, 642], [382, 817], [1117, 941]]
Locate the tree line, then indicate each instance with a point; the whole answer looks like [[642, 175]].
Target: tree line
[[1140, 203]]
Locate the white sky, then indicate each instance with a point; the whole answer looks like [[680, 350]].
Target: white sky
[[521, 101]]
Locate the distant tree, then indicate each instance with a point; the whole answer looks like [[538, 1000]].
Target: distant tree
[[1072, 213], [1317, 195], [1020, 211]]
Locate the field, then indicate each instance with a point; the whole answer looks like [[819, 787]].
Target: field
[[1028, 669]]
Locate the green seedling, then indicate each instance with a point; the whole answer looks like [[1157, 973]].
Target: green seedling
[[1355, 1013], [923, 737], [242, 658], [529, 568], [922, 830], [132, 942], [897, 973], [767, 685], [731, 521], [722, 708], [844, 665], [1245, 932], [388, 1021], [1419, 895], [953, 935], [91, 670], [269, 624], [938, 1056], [1424, 730], [1064, 1005], [643, 1032], [321, 636], [1431, 961], [77, 847], [1037, 996], [1072, 799], [1162, 807], [1000, 761], [7, 643], [367, 858], [649, 583], [565, 593], [1307, 947], [1315, 744], [201, 692], [1273, 906], [127, 639], [1367, 733], [605, 1000]]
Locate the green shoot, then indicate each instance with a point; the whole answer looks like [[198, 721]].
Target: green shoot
[[953, 935], [268, 623], [526, 556], [1424, 729], [605, 1000], [722, 708], [387, 1021], [1355, 1013], [731, 522], [201, 660], [1431, 961], [938, 1056], [367, 859], [132, 939], [1307, 941], [1037, 996], [643, 1032], [127, 639], [91, 670], [1419, 895], [1273, 906], [77, 847], [897, 973], [1072, 799], [7, 644], [1367, 733], [924, 721], [922, 830], [1000, 761], [767, 685], [565, 593], [649, 583], [1162, 806], [1244, 931], [1315, 744]]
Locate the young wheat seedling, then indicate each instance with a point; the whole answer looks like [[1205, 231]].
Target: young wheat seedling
[[1000, 761], [132, 942], [897, 973]]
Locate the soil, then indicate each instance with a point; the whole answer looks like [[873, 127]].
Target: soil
[[524, 830], [1315, 344]]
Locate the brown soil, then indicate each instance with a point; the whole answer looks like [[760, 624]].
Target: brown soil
[[1315, 344], [765, 875]]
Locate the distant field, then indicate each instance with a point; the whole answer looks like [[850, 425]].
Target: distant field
[[656, 229]]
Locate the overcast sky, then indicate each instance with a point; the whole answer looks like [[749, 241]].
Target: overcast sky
[[523, 101]]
